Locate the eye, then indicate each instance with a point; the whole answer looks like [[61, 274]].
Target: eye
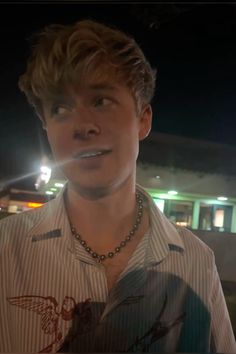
[[102, 101], [59, 109]]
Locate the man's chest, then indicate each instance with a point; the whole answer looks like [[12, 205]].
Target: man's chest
[[134, 324], [69, 304], [114, 269]]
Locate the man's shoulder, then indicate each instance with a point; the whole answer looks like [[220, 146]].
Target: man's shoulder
[[17, 226], [169, 235], [22, 218], [192, 242]]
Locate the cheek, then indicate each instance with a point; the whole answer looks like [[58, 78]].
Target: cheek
[[129, 144], [58, 141]]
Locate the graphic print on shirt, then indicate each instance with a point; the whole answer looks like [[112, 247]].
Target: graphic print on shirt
[[51, 315], [158, 330]]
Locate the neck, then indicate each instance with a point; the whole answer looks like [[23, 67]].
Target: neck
[[105, 220]]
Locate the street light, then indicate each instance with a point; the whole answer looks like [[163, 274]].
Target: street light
[[44, 176]]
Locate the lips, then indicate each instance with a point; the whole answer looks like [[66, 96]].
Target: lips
[[87, 154]]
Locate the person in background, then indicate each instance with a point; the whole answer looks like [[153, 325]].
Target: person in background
[[100, 268]]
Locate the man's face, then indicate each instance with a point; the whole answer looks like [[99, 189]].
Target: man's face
[[94, 132]]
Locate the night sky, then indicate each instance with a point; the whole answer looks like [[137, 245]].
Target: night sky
[[193, 48]]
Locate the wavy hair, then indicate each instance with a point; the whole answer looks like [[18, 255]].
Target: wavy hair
[[69, 55]]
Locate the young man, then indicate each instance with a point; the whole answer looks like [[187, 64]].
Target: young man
[[99, 268]]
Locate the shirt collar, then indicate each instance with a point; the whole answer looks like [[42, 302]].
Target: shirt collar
[[53, 221], [164, 236]]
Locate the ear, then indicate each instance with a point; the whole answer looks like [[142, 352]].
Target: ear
[[145, 123]]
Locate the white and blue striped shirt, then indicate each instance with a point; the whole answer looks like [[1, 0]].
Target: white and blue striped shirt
[[54, 295]]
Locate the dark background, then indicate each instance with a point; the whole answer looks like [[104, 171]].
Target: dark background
[[192, 46]]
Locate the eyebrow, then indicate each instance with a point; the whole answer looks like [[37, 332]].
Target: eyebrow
[[102, 87], [61, 99], [65, 98]]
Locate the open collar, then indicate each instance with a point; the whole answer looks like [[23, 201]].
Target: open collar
[[53, 222], [164, 236]]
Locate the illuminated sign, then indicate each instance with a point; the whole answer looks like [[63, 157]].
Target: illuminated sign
[[34, 205]]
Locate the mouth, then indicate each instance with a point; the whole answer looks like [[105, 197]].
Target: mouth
[[89, 154]]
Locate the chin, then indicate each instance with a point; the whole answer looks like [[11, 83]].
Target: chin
[[91, 192]]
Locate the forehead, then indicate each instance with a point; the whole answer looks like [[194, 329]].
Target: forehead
[[100, 75], [103, 77], [94, 82], [93, 86], [86, 91], [99, 72]]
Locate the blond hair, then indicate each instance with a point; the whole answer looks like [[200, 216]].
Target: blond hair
[[70, 54]]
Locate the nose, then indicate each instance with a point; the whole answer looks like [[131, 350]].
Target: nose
[[85, 127], [86, 131]]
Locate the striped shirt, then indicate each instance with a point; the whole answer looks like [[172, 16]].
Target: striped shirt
[[54, 296]]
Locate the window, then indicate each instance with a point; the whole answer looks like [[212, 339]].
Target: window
[[215, 217], [179, 212]]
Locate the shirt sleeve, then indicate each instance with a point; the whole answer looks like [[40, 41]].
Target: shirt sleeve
[[222, 336]]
